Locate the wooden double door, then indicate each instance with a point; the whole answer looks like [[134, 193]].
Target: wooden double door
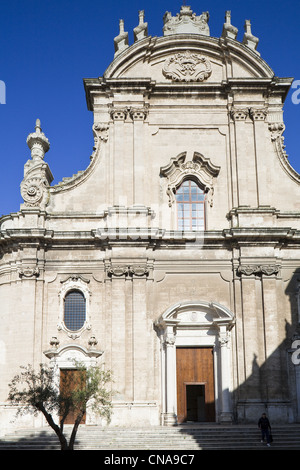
[[195, 385]]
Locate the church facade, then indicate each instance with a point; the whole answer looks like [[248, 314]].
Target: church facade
[[173, 259]]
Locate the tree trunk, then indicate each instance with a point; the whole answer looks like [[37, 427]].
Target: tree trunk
[[75, 429], [63, 441]]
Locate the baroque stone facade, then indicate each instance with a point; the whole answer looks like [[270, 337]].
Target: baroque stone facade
[[181, 236]]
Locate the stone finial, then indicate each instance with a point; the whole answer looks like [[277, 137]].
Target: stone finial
[[229, 31], [186, 22], [37, 174], [141, 31], [121, 41], [38, 142], [249, 40]]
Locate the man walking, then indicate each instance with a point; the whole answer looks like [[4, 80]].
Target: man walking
[[265, 427]]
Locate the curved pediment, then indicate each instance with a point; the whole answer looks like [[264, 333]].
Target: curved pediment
[[201, 313], [188, 58]]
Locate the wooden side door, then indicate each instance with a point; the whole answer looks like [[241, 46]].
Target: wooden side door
[[195, 384], [70, 380]]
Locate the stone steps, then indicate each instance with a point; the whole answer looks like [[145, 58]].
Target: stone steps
[[179, 438]]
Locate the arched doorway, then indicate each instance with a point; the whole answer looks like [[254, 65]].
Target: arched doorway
[[195, 362]]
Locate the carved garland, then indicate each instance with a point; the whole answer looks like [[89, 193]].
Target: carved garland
[[125, 270], [199, 168], [250, 270]]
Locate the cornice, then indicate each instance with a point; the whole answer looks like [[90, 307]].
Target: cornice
[[148, 237]]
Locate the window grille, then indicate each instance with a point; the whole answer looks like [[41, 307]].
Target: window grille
[[74, 310], [190, 206]]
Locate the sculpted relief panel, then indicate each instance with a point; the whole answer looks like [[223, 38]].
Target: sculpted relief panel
[[187, 67]]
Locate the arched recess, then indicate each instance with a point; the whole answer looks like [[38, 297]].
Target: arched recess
[[196, 324]]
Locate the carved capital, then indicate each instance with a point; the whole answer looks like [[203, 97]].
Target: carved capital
[[138, 114], [258, 270], [258, 114], [239, 114]]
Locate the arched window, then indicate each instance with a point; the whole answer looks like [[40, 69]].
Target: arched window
[[74, 310], [190, 206]]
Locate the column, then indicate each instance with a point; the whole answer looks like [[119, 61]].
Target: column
[[224, 341], [170, 417]]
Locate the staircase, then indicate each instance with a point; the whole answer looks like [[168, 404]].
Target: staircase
[[179, 438]]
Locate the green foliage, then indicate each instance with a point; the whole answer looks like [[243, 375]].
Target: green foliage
[[37, 391]]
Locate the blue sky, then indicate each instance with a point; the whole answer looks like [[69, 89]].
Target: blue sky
[[49, 46]]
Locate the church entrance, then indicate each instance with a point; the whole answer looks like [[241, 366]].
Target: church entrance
[[195, 384]]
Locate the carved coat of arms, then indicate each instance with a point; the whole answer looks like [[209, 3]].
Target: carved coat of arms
[[187, 67]]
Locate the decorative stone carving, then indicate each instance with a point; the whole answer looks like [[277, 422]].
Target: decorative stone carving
[[277, 129], [139, 271], [29, 272], [141, 31], [138, 114], [121, 41], [199, 168], [258, 114], [135, 113], [187, 67], [239, 114], [117, 271], [186, 22], [249, 40], [125, 270], [54, 342], [37, 174], [118, 114], [92, 342], [250, 270], [229, 31], [100, 131]]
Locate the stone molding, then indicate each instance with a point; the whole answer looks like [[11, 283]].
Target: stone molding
[[101, 135], [74, 282]]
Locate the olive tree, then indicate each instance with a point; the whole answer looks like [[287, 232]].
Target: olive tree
[[37, 392]]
